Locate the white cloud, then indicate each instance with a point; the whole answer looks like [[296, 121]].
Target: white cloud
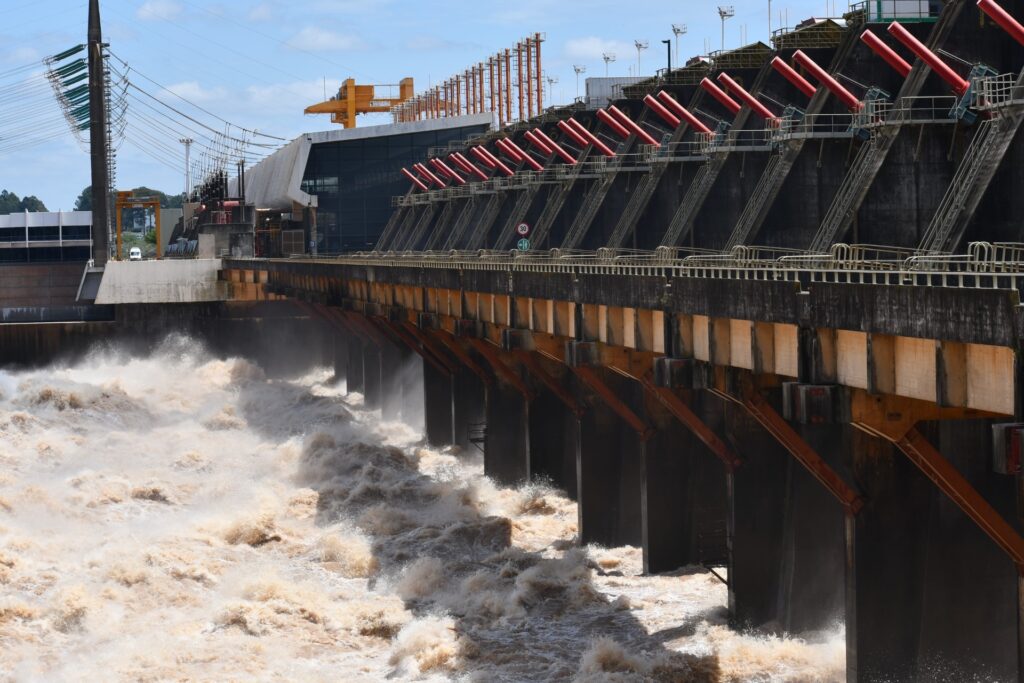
[[158, 10], [424, 43], [363, 7], [592, 48], [321, 40], [21, 55], [261, 12], [193, 91]]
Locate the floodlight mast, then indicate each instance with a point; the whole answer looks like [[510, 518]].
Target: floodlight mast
[[641, 45], [725, 12], [608, 57], [579, 69], [678, 30]]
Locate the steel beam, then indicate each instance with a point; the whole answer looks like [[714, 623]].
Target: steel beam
[[503, 371], [590, 378], [679, 410], [774, 423]]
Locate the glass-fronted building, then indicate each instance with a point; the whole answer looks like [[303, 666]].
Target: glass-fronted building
[[46, 237], [350, 175]]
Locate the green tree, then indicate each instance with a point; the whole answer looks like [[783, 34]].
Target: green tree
[[84, 201], [9, 203], [32, 203]]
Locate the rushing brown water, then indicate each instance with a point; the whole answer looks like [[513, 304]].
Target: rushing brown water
[[182, 518]]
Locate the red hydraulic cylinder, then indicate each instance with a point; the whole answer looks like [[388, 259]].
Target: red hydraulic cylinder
[[609, 120], [415, 181], [446, 170], [498, 163], [659, 109], [571, 133], [748, 99], [513, 150], [683, 112], [588, 137], [943, 70], [823, 77], [790, 74], [901, 65], [510, 153], [426, 173], [633, 126], [468, 167], [538, 143], [1003, 18], [720, 95], [555, 147]]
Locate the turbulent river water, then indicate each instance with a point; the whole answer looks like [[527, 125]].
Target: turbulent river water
[[178, 517]]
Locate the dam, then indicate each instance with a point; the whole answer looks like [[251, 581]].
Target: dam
[[750, 329]]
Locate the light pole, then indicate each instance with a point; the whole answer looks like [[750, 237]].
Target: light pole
[[188, 148], [678, 30], [579, 69], [551, 82], [609, 57], [641, 45], [725, 12]]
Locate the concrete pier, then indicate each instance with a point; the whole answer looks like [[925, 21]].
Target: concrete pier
[[609, 469], [355, 375], [507, 439], [437, 406], [372, 377]]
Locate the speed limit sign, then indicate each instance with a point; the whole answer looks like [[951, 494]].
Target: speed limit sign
[[523, 229]]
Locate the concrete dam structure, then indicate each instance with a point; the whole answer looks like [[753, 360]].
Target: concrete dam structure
[[762, 314], [768, 321]]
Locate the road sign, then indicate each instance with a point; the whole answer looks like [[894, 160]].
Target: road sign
[[523, 230], [523, 245]]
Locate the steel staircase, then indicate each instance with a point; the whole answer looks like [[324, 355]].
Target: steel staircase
[[487, 218], [872, 154], [402, 233], [388, 234], [682, 220], [854, 188], [419, 232], [465, 218], [440, 226], [764, 194], [552, 209], [638, 201], [507, 236], [591, 204], [969, 184]]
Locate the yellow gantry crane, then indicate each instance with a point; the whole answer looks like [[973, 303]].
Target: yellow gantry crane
[[353, 99]]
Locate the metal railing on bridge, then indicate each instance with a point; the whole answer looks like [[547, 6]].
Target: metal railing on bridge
[[987, 265]]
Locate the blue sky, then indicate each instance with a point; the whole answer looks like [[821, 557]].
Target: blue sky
[[258, 63]]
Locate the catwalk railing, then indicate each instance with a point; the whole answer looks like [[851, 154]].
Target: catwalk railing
[[985, 265]]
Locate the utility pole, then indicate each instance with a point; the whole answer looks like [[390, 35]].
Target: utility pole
[[725, 12], [579, 69], [608, 58], [551, 90], [98, 144], [679, 30], [188, 181], [641, 45]]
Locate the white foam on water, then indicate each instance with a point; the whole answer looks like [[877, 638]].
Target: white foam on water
[[178, 517]]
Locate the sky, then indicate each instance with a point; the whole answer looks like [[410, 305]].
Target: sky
[[257, 64]]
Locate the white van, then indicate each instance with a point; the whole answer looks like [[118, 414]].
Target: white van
[[135, 254]]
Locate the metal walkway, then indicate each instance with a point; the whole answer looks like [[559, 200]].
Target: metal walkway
[[979, 165], [859, 178]]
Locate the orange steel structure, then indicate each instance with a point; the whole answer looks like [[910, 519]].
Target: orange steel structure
[[353, 100], [488, 86]]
